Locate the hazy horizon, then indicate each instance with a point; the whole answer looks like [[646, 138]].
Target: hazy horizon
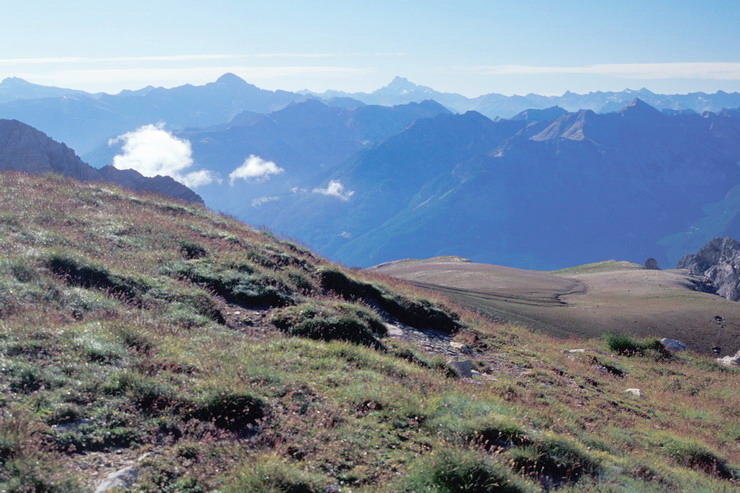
[[473, 48]]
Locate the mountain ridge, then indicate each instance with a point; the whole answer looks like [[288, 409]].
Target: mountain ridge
[[23, 148]]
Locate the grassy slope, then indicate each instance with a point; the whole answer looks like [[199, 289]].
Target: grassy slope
[[586, 301], [137, 330]]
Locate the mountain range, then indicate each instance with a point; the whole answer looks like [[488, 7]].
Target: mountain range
[[367, 183], [84, 121], [540, 194]]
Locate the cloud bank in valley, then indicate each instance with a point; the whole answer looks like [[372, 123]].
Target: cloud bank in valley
[[255, 168], [335, 189], [151, 150]]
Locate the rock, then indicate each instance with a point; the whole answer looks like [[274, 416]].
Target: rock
[[463, 348], [463, 368], [673, 345], [394, 330], [719, 263], [730, 360], [119, 480], [584, 350], [635, 392], [651, 264]]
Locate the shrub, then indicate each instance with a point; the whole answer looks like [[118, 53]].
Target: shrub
[[553, 460], [343, 322], [243, 288], [147, 393], [270, 474], [626, 346], [461, 471], [694, 455], [191, 250], [422, 313], [476, 422], [85, 274], [228, 410]]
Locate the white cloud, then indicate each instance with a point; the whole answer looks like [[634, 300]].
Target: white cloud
[[680, 70], [151, 150], [335, 189], [199, 178], [263, 200], [255, 168]]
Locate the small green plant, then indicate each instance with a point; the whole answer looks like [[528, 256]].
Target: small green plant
[[78, 272], [234, 411], [418, 313], [694, 455], [343, 321], [461, 471], [553, 460], [626, 346], [271, 474], [191, 250]]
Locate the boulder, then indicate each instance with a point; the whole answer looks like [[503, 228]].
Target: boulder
[[122, 479], [463, 368], [673, 345], [730, 360]]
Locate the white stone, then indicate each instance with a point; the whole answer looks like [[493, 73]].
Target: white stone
[[635, 392], [673, 345], [119, 480], [460, 347], [730, 360]]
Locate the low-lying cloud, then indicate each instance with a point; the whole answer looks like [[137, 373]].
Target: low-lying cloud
[[255, 168], [151, 150], [335, 189]]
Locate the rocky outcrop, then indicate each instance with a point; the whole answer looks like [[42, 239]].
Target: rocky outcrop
[[23, 148], [719, 262]]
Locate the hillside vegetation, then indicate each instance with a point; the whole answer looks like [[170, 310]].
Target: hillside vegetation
[[151, 336]]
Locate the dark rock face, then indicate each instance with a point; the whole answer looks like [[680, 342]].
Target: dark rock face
[[23, 148], [719, 262]]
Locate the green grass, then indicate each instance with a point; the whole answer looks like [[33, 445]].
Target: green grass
[[605, 266]]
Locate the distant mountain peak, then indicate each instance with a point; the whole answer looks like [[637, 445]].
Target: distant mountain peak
[[639, 107], [14, 82], [230, 79], [399, 82]]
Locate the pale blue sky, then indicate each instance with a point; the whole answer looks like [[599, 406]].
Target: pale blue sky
[[472, 47]]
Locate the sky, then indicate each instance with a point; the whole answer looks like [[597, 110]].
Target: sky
[[471, 47]]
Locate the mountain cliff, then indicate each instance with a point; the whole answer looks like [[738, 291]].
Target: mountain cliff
[[719, 262], [23, 148]]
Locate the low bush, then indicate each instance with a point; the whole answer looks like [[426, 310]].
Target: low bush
[[553, 460], [191, 250], [461, 471], [418, 313], [476, 422], [626, 346], [233, 411], [242, 288], [341, 321], [271, 474], [694, 455], [78, 272]]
